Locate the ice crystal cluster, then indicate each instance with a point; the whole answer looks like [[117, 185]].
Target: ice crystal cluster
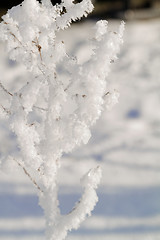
[[53, 110]]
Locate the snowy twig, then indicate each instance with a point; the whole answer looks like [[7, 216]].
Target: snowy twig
[[70, 106], [84, 206]]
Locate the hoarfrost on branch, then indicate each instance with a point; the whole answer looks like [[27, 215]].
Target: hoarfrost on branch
[[51, 113]]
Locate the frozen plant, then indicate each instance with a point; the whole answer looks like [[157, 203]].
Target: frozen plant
[[51, 113]]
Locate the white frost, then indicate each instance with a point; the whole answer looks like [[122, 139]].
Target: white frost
[[49, 114]]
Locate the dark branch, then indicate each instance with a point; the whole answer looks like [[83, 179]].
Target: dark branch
[[4, 89]]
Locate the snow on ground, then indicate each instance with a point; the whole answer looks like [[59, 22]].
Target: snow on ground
[[125, 143]]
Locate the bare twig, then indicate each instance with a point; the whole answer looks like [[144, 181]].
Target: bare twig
[[40, 108], [5, 109], [25, 47], [38, 46], [106, 94], [4, 89], [27, 173], [16, 38]]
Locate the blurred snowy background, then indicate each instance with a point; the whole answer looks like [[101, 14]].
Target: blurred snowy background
[[125, 143]]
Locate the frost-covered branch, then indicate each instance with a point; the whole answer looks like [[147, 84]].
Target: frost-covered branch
[[85, 205], [73, 12], [59, 228], [51, 114]]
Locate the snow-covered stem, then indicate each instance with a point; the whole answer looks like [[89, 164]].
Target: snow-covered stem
[[82, 208], [51, 114]]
